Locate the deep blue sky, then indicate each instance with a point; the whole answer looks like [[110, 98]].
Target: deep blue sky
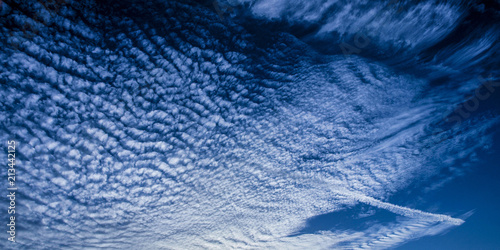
[[479, 190], [167, 124]]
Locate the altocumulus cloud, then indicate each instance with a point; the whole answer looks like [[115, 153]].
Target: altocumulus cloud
[[163, 126]]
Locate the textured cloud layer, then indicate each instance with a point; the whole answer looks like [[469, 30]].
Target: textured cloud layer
[[395, 24], [163, 126]]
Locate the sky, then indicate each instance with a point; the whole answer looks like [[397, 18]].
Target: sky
[[251, 124]]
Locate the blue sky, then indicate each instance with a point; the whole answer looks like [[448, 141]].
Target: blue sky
[[163, 125], [477, 191]]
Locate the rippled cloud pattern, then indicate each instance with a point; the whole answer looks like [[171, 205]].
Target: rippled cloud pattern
[[161, 125]]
